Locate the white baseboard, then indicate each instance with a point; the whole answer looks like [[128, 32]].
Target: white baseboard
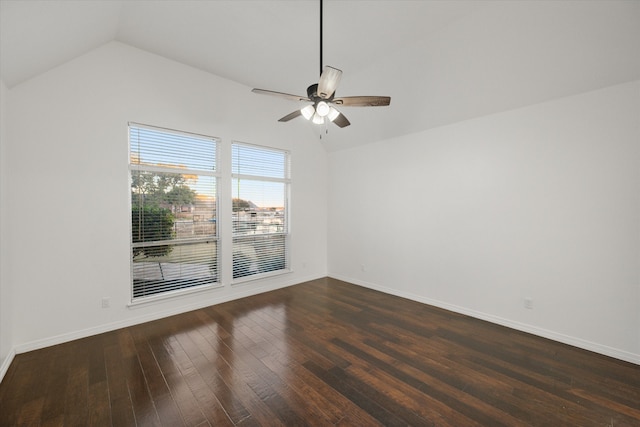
[[249, 291], [534, 330], [6, 362], [239, 293]]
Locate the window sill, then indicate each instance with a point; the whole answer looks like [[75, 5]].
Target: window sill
[[143, 301], [252, 278]]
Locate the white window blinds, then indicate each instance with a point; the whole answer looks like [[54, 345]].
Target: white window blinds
[[174, 236], [260, 180]]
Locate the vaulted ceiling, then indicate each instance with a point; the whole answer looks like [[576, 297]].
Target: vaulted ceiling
[[440, 61]]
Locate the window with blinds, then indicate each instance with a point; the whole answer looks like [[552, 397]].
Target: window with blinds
[[260, 180], [174, 236]]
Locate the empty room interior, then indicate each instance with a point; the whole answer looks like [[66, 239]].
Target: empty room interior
[[313, 212]]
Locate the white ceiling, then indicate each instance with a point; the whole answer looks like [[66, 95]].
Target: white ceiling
[[440, 61]]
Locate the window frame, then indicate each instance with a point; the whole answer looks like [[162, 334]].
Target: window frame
[[286, 181], [215, 174]]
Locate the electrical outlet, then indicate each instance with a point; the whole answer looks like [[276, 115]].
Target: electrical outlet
[[362, 267], [106, 302], [528, 303]]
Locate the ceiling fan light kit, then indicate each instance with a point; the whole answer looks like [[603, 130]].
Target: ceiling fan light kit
[[322, 96]]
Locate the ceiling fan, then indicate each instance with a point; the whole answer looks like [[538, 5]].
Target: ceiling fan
[[323, 97]]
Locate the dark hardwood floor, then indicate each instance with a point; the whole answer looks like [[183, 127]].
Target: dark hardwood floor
[[320, 353]]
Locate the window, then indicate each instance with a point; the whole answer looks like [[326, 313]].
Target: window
[[260, 180], [174, 236]]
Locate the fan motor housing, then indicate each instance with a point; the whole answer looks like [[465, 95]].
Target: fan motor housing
[[312, 93]]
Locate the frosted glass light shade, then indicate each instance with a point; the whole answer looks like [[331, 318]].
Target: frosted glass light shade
[[333, 114], [307, 112], [322, 109], [318, 119]]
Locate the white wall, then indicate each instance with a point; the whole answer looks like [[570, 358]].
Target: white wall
[[6, 348], [68, 226], [541, 202]]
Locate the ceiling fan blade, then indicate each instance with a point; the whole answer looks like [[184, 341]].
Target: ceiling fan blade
[[328, 82], [291, 116], [341, 121], [280, 95], [363, 101]]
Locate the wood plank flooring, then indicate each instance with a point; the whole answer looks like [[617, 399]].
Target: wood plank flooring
[[321, 353]]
